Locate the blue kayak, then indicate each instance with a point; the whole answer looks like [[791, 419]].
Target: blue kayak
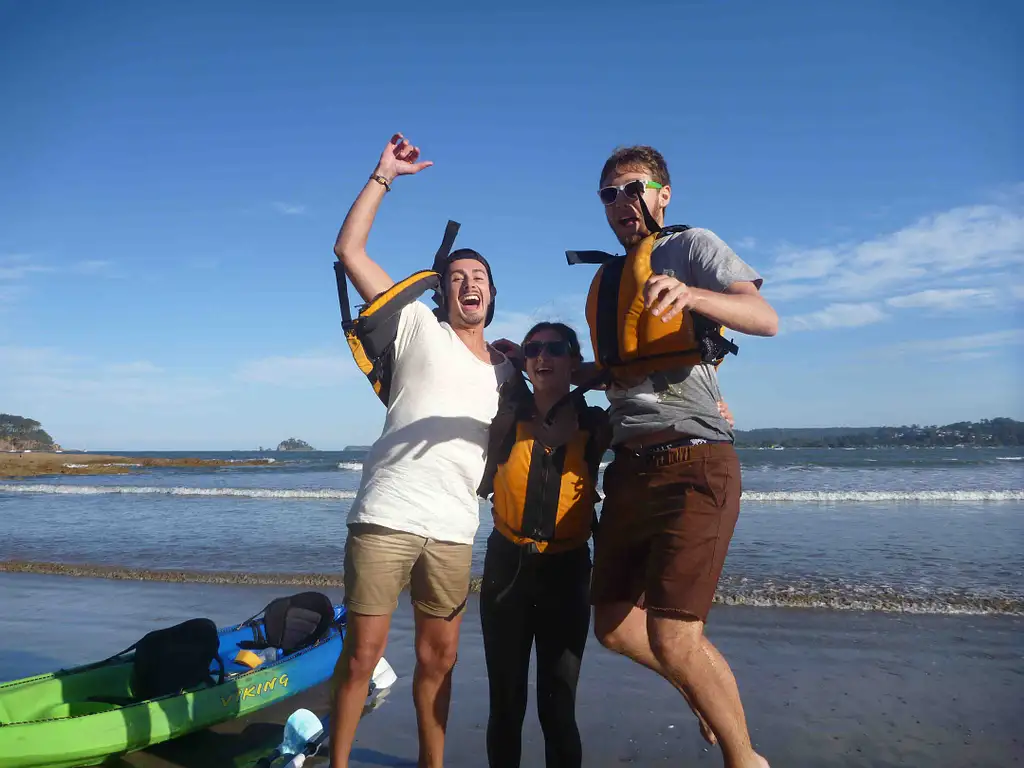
[[171, 682]]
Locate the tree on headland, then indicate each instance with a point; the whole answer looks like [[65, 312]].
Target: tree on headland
[[1001, 432], [21, 434]]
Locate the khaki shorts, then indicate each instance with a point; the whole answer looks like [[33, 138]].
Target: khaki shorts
[[381, 562]]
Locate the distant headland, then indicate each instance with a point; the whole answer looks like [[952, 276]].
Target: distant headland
[[989, 433], [20, 434]]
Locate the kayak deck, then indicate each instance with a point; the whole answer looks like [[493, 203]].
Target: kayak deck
[[83, 715], [52, 697]]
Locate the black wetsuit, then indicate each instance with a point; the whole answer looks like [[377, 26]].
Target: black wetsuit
[[548, 603]]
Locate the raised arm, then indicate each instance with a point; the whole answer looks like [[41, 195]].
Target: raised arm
[[725, 289], [399, 158]]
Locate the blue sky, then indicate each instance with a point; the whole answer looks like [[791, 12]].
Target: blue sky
[[172, 177]]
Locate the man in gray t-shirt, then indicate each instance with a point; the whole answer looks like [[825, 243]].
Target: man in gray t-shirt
[[672, 493], [682, 400]]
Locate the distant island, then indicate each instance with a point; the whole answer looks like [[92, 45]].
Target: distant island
[[20, 434], [994, 433], [294, 444]]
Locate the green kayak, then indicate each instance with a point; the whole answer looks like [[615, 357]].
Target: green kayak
[[172, 682]]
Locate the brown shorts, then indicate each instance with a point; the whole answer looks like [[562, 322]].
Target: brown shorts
[[381, 562], [665, 527]]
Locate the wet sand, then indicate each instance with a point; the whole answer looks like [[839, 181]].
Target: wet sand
[[179, 576], [821, 688], [37, 464]]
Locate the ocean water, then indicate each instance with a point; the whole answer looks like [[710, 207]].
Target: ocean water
[[924, 530]]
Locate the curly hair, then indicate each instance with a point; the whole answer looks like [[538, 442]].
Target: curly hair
[[637, 157]]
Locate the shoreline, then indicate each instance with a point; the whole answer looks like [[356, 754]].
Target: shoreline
[[783, 598], [181, 575], [32, 464]]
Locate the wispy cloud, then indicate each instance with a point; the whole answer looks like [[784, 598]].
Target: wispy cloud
[[289, 209], [136, 368], [31, 360], [9, 294], [50, 373], [305, 371], [944, 300], [91, 267], [746, 243], [835, 316], [19, 266], [205, 263], [929, 254], [954, 348]]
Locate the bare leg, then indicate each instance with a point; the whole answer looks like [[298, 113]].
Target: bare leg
[[437, 643], [622, 627], [689, 658], [365, 640]]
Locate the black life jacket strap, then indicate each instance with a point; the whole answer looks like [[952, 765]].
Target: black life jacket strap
[[606, 347], [451, 231], [576, 396], [652, 226], [346, 309], [588, 257], [514, 401]]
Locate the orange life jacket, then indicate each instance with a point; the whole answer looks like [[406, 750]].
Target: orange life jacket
[[544, 496], [628, 340]]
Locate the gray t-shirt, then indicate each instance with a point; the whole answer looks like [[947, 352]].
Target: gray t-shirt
[[683, 399]]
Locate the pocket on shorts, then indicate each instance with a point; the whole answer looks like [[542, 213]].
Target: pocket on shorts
[[378, 565], [440, 578], [719, 474], [722, 480]]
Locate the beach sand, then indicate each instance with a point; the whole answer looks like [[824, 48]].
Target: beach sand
[[821, 688], [34, 464]]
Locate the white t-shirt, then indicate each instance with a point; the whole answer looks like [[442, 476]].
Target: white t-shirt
[[421, 475]]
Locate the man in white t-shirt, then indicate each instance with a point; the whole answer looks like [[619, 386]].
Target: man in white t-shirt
[[416, 512]]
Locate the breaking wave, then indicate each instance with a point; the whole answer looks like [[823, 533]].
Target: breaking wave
[[333, 493], [872, 496], [253, 493], [352, 466]]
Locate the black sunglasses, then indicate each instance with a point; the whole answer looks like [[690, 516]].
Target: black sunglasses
[[554, 348]]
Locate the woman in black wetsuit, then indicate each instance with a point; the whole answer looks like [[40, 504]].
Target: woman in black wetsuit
[[536, 582], [541, 477]]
